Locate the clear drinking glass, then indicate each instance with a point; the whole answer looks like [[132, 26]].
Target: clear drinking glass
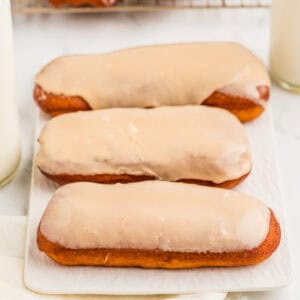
[[285, 44], [9, 127]]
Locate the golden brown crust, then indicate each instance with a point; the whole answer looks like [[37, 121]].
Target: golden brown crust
[[244, 109], [126, 178], [159, 258], [94, 3], [56, 105]]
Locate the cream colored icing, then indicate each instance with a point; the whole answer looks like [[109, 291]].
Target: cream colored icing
[[169, 143], [154, 215], [177, 74]]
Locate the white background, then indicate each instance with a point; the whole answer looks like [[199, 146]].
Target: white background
[[41, 38]]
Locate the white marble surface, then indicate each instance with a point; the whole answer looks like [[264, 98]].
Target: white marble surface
[[40, 38]]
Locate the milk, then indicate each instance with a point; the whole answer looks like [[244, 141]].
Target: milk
[[9, 129], [285, 43]]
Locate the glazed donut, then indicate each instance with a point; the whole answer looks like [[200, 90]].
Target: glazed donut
[[94, 3], [156, 224], [194, 144], [220, 74]]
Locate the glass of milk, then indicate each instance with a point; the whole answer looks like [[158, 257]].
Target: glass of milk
[[285, 44], [9, 127]]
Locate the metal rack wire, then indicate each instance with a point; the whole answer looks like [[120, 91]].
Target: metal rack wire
[[42, 6]]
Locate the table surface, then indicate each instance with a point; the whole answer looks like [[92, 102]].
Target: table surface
[[39, 38]]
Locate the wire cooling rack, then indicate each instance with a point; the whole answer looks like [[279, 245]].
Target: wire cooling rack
[[42, 6]]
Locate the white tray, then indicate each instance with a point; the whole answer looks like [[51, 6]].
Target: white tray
[[43, 275]]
